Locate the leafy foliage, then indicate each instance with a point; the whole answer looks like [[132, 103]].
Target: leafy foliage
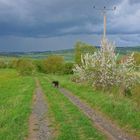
[[68, 68], [54, 64], [102, 70], [39, 64], [25, 67], [82, 48], [137, 59], [2, 64]]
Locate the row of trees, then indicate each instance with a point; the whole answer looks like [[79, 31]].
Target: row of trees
[[53, 64], [57, 65]]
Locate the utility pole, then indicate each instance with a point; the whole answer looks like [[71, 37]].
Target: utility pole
[[104, 12]]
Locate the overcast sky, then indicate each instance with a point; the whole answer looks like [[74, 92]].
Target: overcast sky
[[41, 25]]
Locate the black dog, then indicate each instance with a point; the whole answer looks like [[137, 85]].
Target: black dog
[[55, 84]]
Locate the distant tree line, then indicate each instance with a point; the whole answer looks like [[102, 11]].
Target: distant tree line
[[54, 64]]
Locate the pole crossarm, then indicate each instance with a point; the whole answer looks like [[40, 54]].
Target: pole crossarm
[[104, 10]]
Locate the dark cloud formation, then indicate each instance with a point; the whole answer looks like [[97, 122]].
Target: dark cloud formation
[[25, 21], [38, 18]]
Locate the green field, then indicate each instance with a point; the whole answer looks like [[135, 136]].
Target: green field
[[67, 54], [16, 94], [67, 121], [15, 104]]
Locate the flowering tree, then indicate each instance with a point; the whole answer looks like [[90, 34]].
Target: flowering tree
[[102, 70]]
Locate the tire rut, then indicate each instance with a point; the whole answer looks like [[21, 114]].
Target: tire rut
[[104, 125], [38, 123]]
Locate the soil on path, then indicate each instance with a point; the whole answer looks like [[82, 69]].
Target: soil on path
[[38, 124], [104, 125]]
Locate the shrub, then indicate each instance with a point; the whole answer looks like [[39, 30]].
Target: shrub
[[12, 63], [25, 67], [136, 92], [82, 48], [5, 63], [54, 64], [2, 64], [102, 70], [39, 65], [137, 60], [68, 68]]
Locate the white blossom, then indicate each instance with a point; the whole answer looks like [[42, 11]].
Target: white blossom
[[102, 70]]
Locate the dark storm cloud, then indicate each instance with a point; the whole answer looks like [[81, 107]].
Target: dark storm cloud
[[23, 22], [50, 18]]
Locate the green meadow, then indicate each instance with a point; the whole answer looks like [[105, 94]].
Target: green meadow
[[68, 122], [15, 104]]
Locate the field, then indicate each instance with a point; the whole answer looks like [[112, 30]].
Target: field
[[30, 107], [16, 94], [66, 120], [67, 54], [69, 71], [15, 101]]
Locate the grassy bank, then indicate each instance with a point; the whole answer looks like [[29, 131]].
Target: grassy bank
[[123, 110], [67, 120], [15, 102]]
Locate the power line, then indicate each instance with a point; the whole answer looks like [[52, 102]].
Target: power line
[[104, 12]]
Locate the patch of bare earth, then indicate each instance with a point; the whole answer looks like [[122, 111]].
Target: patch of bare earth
[[109, 129], [38, 123]]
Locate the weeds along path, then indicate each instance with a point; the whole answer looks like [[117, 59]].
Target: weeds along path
[[38, 123], [104, 125]]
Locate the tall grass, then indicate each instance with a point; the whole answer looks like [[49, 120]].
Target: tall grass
[[15, 105], [122, 110], [67, 120]]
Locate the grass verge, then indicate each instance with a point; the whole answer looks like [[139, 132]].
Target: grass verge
[[15, 102]]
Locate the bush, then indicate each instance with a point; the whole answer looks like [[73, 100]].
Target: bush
[[2, 64], [25, 67], [102, 70], [137, 60], [136, 92], [12, 63], [39, 65], [54, 64], [82, 48], [68, 68]]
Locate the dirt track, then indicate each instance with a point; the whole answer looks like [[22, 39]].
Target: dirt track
[[38, 123], [105, 126]]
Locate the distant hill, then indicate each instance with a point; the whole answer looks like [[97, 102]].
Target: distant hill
[[124, 50], [68, 54]]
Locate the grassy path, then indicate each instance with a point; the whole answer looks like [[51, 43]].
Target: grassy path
[[121, 110], [68, 121], [104, 125], [39, 124]]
